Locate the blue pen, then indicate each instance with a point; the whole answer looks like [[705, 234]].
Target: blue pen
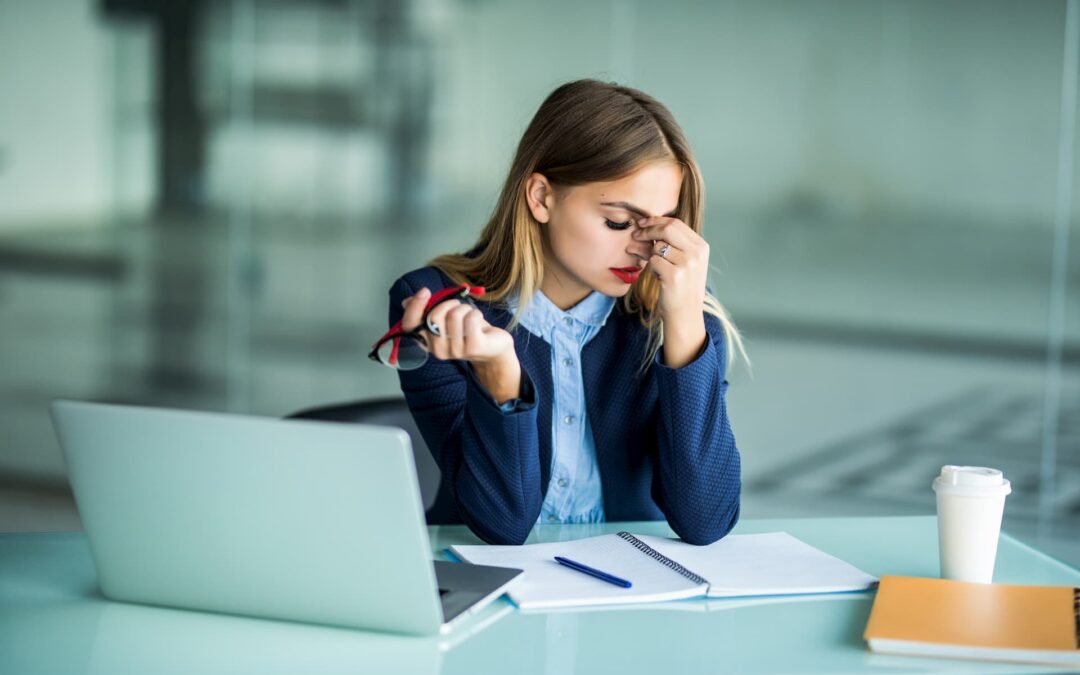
[[610, 578]]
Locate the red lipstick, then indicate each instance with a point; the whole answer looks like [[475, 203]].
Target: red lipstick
[[627, 275]]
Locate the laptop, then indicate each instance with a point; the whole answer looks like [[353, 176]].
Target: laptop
[[286, 519]]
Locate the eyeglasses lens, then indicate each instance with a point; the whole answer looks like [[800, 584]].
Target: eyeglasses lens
[[404, 352]]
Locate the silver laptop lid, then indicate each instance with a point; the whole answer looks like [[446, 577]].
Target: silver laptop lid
[[295, 519]]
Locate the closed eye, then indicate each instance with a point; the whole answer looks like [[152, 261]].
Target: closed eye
[[617, 226]]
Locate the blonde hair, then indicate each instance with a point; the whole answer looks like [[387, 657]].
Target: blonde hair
[[585, 131]]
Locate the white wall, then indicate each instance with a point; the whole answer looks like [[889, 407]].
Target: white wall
[[55, 122], [944, 108], [934, 107]]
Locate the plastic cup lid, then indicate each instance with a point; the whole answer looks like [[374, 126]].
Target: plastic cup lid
[[972, 480]]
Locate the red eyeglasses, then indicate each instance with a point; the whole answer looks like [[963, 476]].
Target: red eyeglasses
[[407, 350]]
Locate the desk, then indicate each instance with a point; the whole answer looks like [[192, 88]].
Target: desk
[[53, 619]]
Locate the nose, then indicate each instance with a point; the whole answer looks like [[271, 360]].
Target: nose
[[637, 248]]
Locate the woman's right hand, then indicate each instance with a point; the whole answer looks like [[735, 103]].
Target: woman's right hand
[[464, 334]]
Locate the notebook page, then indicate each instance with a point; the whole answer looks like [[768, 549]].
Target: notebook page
[[774, 563], [546, 583]]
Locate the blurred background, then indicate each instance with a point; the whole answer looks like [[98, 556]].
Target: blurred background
[[203, 204]]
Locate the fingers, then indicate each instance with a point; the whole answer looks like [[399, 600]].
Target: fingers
[[666, 251], [473, 330], [436, 318], [676, 250], [414, 309], [672, 230], [664, 268], [453, 330], [460, 330], [454, 334]]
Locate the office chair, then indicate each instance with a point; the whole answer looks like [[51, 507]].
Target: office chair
[[439, 504]]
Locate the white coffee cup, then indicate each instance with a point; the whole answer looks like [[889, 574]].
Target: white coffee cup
[[970, 503]]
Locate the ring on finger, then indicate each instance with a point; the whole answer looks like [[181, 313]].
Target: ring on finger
[[664, 250], [434, 329]]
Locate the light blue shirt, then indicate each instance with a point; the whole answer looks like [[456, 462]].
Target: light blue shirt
[[574, 494]]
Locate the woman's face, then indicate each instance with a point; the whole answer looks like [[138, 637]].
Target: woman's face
[[587, 230]]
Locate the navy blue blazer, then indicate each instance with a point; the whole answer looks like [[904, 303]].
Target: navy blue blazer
[[664, 446]]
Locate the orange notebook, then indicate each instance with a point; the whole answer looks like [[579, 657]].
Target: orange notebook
[[954, 619]]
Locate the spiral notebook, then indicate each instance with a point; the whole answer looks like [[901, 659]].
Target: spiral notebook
[[660, 568]]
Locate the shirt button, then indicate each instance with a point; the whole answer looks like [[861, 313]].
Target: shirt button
[[568, 362], [568, 320], [569, 419], [563, 482], [552, 518]]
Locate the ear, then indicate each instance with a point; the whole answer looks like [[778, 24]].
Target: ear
[[540, 197]]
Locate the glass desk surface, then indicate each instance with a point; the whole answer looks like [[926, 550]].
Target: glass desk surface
[[53, 619]]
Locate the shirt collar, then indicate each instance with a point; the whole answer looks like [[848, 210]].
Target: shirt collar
[[541, 315]]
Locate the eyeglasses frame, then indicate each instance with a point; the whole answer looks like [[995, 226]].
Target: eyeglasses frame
[[460, 292]]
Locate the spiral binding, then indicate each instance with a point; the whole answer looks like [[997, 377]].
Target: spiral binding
[[662, 559]]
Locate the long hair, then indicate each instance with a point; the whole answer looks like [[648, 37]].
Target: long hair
[[585, 131]]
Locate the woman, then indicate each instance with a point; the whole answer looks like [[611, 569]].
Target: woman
[[587, 383]]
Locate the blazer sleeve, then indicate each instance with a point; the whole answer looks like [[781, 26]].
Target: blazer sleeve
[[488, 454], [698, 482]]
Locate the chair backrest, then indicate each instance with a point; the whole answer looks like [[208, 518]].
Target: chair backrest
[[438, 503]]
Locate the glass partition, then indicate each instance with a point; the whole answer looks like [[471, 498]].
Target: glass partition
[[889, 190]]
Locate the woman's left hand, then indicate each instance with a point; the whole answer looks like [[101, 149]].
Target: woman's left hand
[[680, 260]]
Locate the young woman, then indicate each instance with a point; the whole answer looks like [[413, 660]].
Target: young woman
[[585, 380]]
